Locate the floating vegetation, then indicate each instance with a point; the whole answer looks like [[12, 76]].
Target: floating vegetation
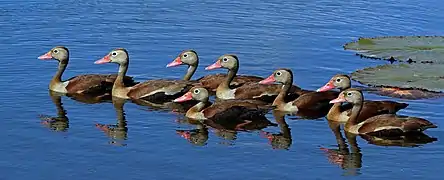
[[410, 81], [422, 77], [412, 94], [411, 49]]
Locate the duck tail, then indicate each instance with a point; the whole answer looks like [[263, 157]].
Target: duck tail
[[418, 124]]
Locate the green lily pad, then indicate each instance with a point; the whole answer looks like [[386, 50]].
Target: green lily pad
[[424, 49], [428, 77]]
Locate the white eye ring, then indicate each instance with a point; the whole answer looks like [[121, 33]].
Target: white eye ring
[[114, 54], [338, 80], [349, 94], [196, 91], [185, 55], [225, 59], [55, 51], [278, 73]]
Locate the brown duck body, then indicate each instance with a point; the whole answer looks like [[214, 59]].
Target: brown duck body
[[160, 90], [90, 83], [236, 109], [212, 81], [380, 125], [341, 113], [234, 114], [224, 112], [391, 125]]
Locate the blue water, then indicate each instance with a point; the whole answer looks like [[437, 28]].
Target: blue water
[[306, 36]]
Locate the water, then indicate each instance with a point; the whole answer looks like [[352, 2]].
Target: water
[[304, 36]]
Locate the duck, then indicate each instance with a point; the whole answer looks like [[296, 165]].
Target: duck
[[223, 113], [341, 113], [310, 101], [264, 92], [157, 90], [385, 125], [87, 84], [210, 82]]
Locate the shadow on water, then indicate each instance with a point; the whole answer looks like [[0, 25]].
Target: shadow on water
[[59, 122], [118, 132], [350, 159], [281, 140]]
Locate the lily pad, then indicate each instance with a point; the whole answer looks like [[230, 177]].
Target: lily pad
[[421, 49], [412, 94], [428, 77]]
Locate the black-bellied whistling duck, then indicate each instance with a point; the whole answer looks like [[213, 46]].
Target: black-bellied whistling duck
[[81, 84], [308, 101], [240, 112], [258, 91], [341, 113], [380, 125], [210, 82], [159, 90]]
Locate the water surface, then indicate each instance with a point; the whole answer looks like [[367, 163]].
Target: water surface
[[304, 36]]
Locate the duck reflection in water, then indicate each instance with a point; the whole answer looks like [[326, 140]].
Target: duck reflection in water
[[352, 160], [117, 133], [61, 121], [197, 136], [348, 159], [281, 140]]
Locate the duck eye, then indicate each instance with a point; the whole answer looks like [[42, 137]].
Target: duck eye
[[338, 80], [185, 55], [278, 73], [114, 54], [349, 94], [225, 59], [196, 91], [55, 51]]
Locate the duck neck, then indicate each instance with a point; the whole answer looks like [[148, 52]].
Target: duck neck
[[197, 108], [123, 68], [280, 99], [58, 76], [190, 71], [231, 74], [335, 109], [353, 120]]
